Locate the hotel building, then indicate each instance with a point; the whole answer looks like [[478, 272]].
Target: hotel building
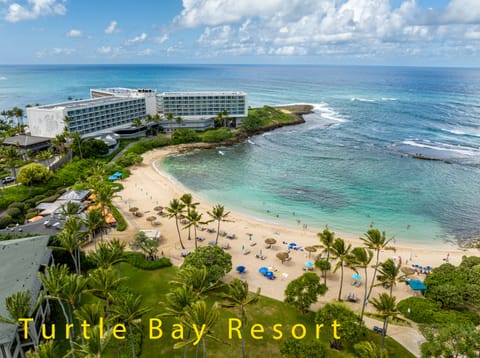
[[111, 110], [199, 109]]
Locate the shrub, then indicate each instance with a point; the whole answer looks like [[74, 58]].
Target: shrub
[[5, 220], [30, 215], [138, 260], [294, 348], [14, 213], [421, 310], [20, 206], [216, 135], [217, 261], [129, 159], [185, 135], [121, 222]]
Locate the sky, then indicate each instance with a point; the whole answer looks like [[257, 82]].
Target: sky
[[365, 32]]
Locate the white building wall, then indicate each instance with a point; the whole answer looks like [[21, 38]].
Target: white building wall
[[151, 103], [46, 122]]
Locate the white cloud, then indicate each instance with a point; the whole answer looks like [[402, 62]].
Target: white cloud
[[55, 51], [137, 39], [112, 27], [34, 9], [145, 52], [74, 33], [364, 28], [161, 39], [104, 50]]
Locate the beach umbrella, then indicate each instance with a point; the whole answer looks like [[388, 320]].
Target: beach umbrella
[[243, 247], [261, 252], [292, 244], [263, 270], [151, 219], [269, 275], [407, 270], [250, 237], [240, 269], [282, 256], [158, 208], [356, 277], [270, 241], [133, 209], [308, 263], [310, 249]]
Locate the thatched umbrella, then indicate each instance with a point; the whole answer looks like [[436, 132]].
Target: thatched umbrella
[[151, 219], [310, 249], [133, 209], [158, 208], [270, 241], [283, 256], [407, 270]]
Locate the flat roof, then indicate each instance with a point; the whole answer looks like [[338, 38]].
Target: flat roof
[[85, 103], [25, 140], [206, 93], [122, 90], [20, 261]]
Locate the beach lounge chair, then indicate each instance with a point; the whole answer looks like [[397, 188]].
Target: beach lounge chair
[[211, 231], [222, 233], [185, 253], [231, 237], [246, 252], [253, 243], [200, 238], [261, 257], [226, 246]]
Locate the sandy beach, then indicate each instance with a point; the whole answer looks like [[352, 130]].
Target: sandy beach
[[148, 187]]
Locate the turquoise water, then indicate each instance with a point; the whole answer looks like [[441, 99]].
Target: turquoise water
[[347, 166]]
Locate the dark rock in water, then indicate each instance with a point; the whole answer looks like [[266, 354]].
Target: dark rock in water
[[424, 157]]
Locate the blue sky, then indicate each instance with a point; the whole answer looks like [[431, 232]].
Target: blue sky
[[386, 32]]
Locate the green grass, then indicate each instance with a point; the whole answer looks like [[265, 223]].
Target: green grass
[[270, 115], [153, 286]]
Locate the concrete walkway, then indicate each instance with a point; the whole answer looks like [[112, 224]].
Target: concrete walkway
[[409, 337]]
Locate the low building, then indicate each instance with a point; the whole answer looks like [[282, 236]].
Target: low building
[[87, 117], [21, 260], [28, 142], [199, 109]]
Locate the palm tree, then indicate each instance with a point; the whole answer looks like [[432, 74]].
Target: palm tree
[[77, 139], [238, 296], [98, 171], [90, 313], [196, 278], [18, 306], [130, 310], [179, 120], [70, 208], [174, 210], [361, 258], [71, 239], [218, 213], [11, 155], [104, 193], [376, 241], [187, 199], [194, 219], [387, 308], [95, 221], [225, 115], [219, 119], [388, 274], [59, 142], [46, 349], [53, 281], [342, 254], [109, 253], [170, 117], [327, 239], [46, 155], [104, 284], [199, 315], [95, 346], [137, 122]]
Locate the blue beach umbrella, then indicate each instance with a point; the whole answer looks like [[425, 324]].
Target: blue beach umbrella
[[241, 269], [292, 244], [308, 263], [243, 247], [269, 275], [263, 270], [356, 277]]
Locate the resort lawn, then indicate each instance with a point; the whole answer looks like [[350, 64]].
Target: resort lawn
[[153, 286]]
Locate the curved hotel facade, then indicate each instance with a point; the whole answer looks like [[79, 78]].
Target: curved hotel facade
[[111, 109]]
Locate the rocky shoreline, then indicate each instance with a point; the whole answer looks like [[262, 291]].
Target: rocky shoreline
[[297, 110]]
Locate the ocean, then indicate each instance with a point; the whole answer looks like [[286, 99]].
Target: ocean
[[349, 166]]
